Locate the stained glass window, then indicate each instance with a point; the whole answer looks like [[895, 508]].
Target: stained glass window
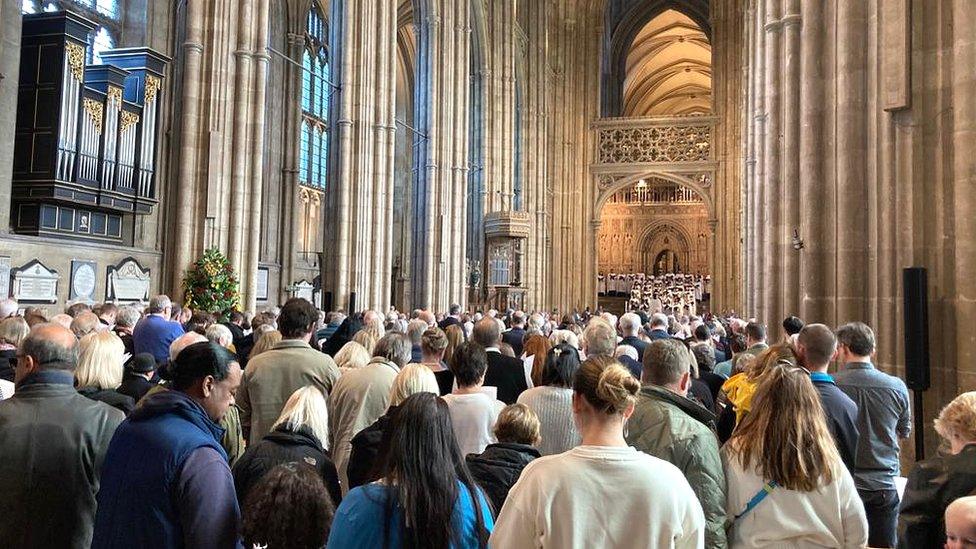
[[316, 91], [107, 13]]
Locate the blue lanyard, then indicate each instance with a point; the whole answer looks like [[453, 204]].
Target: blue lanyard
[[758, 498]]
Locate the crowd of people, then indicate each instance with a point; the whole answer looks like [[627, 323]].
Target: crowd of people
[[130, 427], [676, 293]]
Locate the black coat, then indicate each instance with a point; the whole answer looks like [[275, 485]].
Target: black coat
[[515, 338], [284, 446], [110, 397], [932, 485], [8, 360], [507, 374], [636, 343], [135, 386], [369, 448], [498, 468]]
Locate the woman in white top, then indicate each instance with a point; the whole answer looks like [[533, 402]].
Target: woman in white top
[[787, 485], [603, 493], [552, 400], [473, 410]]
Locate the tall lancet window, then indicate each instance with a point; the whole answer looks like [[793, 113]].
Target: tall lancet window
[[107, 13], [316, 89]]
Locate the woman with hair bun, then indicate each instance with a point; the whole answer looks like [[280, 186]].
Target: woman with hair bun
[[602, 493]]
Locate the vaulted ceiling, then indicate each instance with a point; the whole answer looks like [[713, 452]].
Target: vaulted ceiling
[[669, 68]]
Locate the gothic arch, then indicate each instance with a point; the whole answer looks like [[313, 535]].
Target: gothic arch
[[685, 179], [623, 20]]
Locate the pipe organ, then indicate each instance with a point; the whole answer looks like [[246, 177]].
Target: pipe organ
[[86, 141]]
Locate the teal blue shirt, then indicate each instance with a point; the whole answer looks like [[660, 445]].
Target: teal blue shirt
[[359, 519]]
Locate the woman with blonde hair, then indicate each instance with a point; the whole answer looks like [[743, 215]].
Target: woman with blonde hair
[[351, 356], [367, 338], [13, 330], [786, 482], [300, 434], [369, 445], [602, 493], [935, 483], [266, 341], [100, 370]]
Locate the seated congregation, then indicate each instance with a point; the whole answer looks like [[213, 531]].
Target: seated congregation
[[295, 428]]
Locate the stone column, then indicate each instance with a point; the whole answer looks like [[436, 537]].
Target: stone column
[[772, 183], [442, 160], [852, 154], [10, 23], [790, 198], [361, 179], [260, 59], [963, 185], [186, 194], [814, 260], [535, 122]]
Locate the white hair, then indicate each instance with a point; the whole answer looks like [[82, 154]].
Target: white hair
[[412, 379], [564, 336], [220, 334], [306, 408], [625, 350], [659, 320], [630, 324]]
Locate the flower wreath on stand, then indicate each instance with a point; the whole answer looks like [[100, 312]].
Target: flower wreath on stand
[[211, 285]]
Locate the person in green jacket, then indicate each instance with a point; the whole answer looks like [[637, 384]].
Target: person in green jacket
[[668, 425]]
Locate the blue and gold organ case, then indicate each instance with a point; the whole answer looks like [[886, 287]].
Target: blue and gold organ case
[[86, 141]]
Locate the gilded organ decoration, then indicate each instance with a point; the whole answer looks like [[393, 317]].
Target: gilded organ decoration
[[129, 119], [96, 111], [75, 53], [152, 88], [115, 97]]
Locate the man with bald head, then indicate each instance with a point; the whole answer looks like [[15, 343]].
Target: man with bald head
[[54, 441], [816, 347]]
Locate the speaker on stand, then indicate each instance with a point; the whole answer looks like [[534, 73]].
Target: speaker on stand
[[916, 308]]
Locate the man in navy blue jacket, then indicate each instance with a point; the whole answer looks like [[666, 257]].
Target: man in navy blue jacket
[[156, 331], [165, 480]]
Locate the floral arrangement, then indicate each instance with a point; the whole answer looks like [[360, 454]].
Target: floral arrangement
[[211, 285]]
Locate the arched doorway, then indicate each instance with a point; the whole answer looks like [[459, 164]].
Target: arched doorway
[[665, 262]]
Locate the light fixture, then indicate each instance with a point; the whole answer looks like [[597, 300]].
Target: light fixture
[[642, 184], [797, 241]]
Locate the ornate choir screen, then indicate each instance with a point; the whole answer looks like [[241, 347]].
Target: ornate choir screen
[[86, 139]]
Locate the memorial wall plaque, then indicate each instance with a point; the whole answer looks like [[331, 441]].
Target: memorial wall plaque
[[82, 281], [35, 283], [262, 284], [5, 277], [127, 282], [303, 289]]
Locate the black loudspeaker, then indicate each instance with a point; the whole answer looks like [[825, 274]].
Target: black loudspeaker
[[916, 328], [352, 303], [327, 301]]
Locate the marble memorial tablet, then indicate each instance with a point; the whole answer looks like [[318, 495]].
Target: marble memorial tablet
[[82, 281], [35, 283], [128, 282]]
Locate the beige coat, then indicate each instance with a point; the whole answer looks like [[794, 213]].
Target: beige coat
[[271, 377], [359, 399]]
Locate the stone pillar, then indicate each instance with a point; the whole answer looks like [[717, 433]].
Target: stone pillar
[[772, 223], [442, 160], [535, 122], [10, 23], [186, 189], [358, 219], [790, 198], [963, 202]]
